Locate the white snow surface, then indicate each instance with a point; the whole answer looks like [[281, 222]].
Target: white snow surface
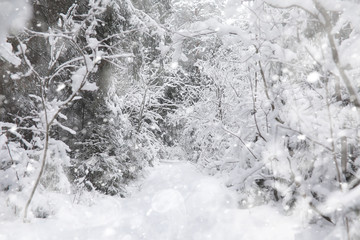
[[174, 202]]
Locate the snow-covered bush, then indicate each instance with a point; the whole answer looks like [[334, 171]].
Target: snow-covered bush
[[279, 118], [60, 64]]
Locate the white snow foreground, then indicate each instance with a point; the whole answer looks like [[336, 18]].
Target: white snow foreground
[[174, 202]]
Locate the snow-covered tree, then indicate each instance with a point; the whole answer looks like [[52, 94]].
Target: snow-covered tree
[[281, 95]]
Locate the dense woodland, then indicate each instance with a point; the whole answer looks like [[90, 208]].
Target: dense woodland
[[262, 93]]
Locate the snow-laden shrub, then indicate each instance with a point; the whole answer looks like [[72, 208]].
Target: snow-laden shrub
[[279, 119], [18, 171]]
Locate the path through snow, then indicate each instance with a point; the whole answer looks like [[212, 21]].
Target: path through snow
[[174, 202]]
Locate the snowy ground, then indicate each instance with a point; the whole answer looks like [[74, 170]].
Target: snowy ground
[[174, 202]]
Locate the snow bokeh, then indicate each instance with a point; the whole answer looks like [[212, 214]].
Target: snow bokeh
[[14, 14]]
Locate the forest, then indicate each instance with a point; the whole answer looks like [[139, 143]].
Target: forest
[[262, 96]]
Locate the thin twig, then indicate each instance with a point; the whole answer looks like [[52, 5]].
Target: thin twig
[[233, 134]]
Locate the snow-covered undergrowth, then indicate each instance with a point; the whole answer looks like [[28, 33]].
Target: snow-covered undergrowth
[[174, 202]]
